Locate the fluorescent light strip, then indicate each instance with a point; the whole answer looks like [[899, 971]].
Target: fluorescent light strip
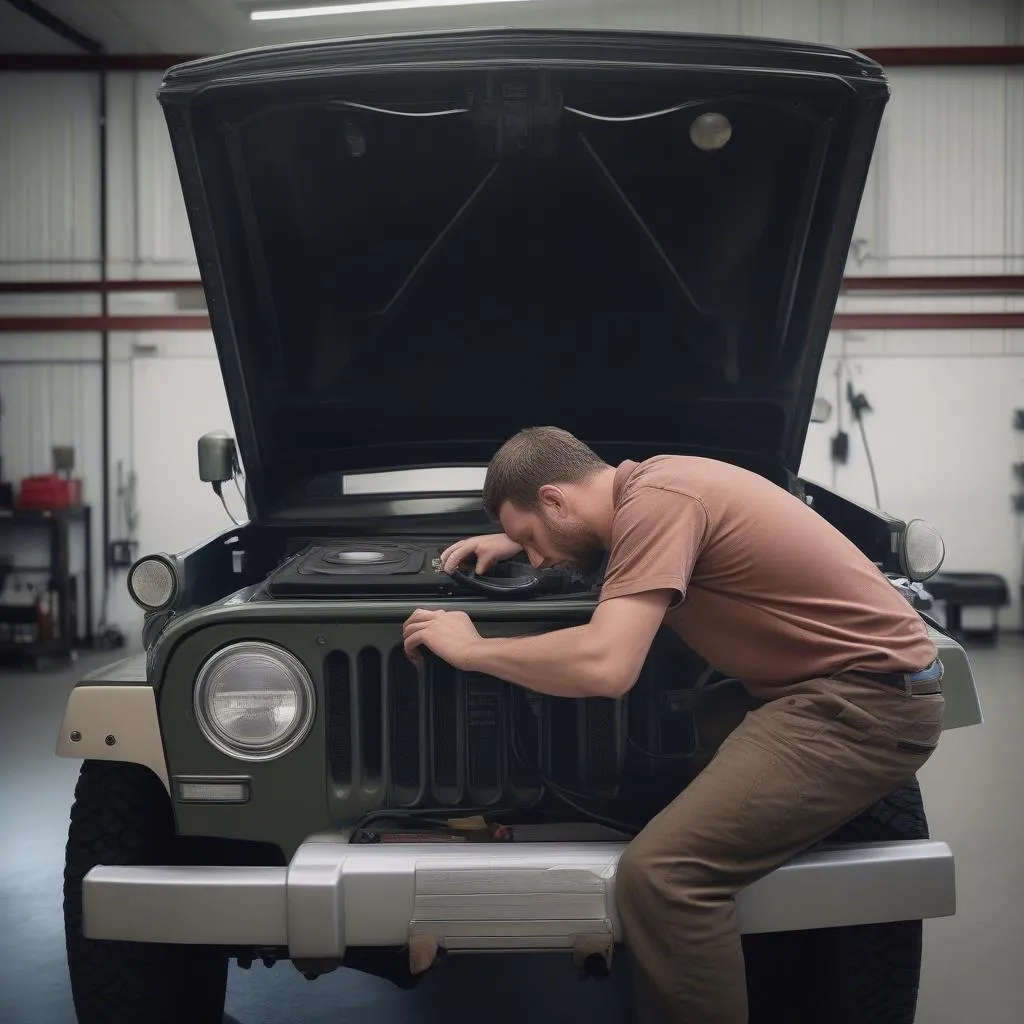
[[370, 7]]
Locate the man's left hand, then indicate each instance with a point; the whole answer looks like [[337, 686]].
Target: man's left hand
[[450, 635]]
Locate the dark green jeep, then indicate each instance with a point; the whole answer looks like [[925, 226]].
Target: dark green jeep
[[412, 247]]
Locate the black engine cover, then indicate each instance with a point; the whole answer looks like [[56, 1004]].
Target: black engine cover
[[362, 566]]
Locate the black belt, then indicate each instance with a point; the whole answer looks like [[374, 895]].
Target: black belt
[[926, 682]]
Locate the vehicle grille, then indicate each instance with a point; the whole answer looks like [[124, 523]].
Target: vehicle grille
[[405, 737]]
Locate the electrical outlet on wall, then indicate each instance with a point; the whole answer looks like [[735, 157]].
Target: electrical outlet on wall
[[122, 553]]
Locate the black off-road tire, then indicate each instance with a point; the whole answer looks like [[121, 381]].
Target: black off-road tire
[[900, 815], [122, 815], [867, 974]]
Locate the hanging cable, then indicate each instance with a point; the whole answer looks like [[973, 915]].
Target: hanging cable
[[600, 819], [652, 755], [871, 461], [566, 795], [351, 105], [839, 420], [619, 119], [218, 490], [859, 405]]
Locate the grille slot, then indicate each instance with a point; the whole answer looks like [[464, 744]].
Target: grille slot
[[483, 737], [526, 743], [446, 696], [407, 776], [562, 755], [338, 675], [603, 741], [370, 682]]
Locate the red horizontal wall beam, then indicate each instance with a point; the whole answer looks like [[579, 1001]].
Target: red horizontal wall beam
[[63, 324], [926, 321], [85, 62], [201, 322], [999, 283], [91, 287], [887, 56]]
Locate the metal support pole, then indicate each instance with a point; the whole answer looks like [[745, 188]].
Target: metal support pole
[[95, 49], [104, 354]]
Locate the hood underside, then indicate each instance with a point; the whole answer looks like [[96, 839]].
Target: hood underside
[[413, 247]]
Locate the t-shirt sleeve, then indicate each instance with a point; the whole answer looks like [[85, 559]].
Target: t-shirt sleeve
[[657, 535]]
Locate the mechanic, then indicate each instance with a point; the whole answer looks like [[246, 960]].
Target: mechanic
[[846, 678]]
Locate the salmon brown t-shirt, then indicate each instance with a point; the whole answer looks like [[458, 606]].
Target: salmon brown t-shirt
[[765, 589]]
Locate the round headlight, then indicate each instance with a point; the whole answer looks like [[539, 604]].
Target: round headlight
[[921, 550], [254, 701], [153, 582]]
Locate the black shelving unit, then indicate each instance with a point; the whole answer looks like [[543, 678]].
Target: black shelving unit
[[68, 629]]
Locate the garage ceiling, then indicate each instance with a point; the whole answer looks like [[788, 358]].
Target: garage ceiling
[[211, 26]]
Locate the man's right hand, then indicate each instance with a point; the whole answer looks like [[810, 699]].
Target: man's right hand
[[488, 549]]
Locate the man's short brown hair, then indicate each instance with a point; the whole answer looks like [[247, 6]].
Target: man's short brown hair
[[529, 460]]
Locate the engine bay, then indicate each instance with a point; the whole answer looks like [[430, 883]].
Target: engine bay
[[386, 567]]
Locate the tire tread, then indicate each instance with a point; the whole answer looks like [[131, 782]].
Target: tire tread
[[122, 815]]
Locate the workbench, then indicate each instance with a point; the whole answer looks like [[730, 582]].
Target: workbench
[[69, 592]]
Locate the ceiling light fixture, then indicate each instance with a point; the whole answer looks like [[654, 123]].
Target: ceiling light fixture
[[368, 7]]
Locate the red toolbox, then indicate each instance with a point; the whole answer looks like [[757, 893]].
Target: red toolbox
[[49, 491]]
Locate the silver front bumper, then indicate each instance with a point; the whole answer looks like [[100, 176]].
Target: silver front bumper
[[540, 896]]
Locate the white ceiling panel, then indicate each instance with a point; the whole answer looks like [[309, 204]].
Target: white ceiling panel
[[138, 26], [21, 34]]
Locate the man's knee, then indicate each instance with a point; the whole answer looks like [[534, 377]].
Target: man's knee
[[650, 877], [658, 874]]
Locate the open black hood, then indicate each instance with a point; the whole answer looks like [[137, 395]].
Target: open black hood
[[414, 246]]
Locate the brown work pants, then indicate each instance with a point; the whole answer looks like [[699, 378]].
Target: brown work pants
[[793, 771]]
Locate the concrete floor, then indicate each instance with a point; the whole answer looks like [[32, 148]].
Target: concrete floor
[[974, 962]]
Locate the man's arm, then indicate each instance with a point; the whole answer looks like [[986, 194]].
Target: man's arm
[[601, 659], [657, 537]]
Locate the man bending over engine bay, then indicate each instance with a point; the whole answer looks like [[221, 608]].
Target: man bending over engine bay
[[768, 592]]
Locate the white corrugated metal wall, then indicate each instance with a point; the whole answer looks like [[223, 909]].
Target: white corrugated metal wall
[[49, 175], [149, 231], [49, 230], [946, 196]]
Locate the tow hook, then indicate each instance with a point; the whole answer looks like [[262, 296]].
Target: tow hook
[[592, 956], [268, 956]]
